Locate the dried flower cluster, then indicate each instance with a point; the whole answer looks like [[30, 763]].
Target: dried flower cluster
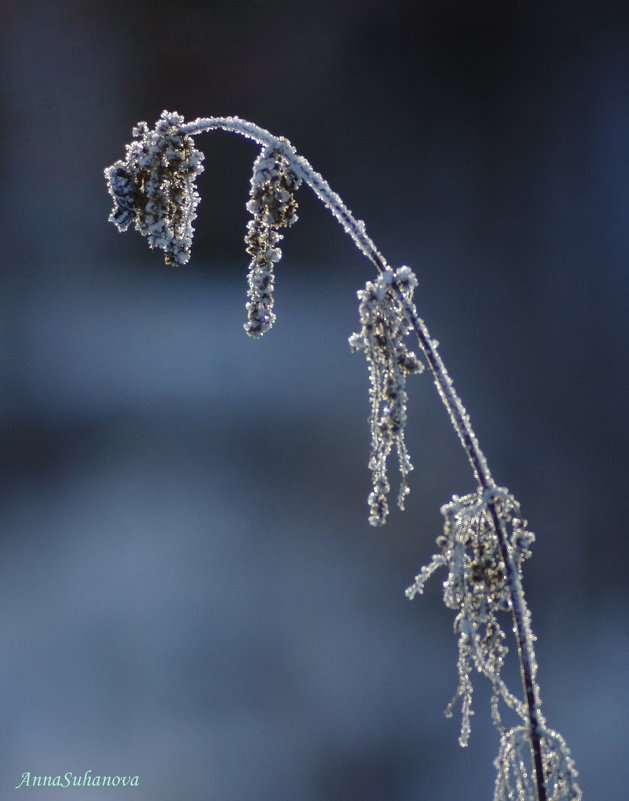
[[273, 206], [384, 325], [154, 187], [477, 590]]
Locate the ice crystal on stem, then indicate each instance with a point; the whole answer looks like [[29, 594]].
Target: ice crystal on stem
[[154, 187], [384, 325], [513, 776]]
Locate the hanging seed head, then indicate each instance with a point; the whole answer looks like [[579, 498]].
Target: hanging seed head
[[384, 326], [154, 187], [273, 206]]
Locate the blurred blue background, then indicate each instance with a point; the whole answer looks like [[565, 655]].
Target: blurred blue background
[[190, 591]]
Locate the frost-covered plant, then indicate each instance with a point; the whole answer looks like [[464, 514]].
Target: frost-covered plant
[[385, 322], [154, 189], [485, 539]]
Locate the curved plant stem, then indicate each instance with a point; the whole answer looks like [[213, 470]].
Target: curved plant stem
[[458, 415]]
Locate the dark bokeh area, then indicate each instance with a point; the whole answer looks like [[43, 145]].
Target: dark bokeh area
[[190, 591]]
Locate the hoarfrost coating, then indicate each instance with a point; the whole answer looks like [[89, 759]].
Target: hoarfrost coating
[[384, 326], [154, 187]]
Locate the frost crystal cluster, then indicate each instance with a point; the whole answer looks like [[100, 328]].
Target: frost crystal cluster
[[273, 206], [385, 323], [476, 588], [485, 539], [513, 775], [154, 187]]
